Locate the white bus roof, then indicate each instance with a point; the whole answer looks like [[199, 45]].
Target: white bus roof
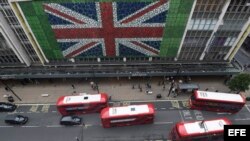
[[128, 110], [82, 98], [219, 96], [206, 126]]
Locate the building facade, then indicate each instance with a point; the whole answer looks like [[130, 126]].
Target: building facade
[[69, 32]]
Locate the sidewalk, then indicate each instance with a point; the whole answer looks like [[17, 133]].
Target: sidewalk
[[119, 90]]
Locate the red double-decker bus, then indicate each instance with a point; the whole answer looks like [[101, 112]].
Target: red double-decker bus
[[82, 104], [127, 115], [216, 101], [207, 130]]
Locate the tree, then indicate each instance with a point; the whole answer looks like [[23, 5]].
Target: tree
[[240, 82]]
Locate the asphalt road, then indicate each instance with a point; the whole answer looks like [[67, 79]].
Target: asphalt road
[[44, 124]]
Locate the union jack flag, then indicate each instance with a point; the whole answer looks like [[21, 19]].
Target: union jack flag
[[108, 28]]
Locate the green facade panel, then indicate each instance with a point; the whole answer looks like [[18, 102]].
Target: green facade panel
[[176, 22]]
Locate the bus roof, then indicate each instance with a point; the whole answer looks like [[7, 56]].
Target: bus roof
[[127, 110], [205, 95], [202, 127], [86, 98]]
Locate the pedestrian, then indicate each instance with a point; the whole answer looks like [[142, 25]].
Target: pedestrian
[[159, 83], [140, 89], [163, 82], [133, 86], [92, 84], [6, 88], [174, 93], [170, 89], [73, 86], [206, 89]]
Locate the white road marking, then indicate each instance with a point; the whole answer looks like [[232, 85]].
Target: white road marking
[[30, 126], [167, 122], [242, 119], [126, 103], [53, 126], [163, 108], [223, 113], [87, 125], [21, 112], [185, 104], [175, 104], [155, 108], [33, 108], [5, 126], [181, 115], [16, 109], [34, 104], [247, 108], [54, 111], [45, 108]]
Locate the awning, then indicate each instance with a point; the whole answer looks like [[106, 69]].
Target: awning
[[188, 86]]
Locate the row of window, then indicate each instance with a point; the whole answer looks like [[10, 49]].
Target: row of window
[[15, 25]]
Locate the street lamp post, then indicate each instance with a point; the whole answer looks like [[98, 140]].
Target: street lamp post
[[6, 85]]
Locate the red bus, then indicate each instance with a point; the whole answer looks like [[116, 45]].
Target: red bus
[[206, 130], [82, 104], [127, 115], [216, 101]]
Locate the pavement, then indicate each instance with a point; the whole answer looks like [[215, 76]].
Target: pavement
[[120, 89]]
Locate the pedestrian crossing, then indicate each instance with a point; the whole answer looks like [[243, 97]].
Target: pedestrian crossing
[[35, 108]]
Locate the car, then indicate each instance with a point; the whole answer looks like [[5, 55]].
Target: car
[[70, 120], [16, 119], [7, 107]]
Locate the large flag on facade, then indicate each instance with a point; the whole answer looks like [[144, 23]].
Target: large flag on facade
[[108, 28]]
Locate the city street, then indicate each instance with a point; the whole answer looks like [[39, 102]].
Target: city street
[[44, 124]]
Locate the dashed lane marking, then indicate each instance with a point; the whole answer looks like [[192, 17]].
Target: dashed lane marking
[[53, 126], [33, 104], [163, 108], [6, 126], [54, 111], [223, 113], [29, 126], [242, 119], [167, 122]]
